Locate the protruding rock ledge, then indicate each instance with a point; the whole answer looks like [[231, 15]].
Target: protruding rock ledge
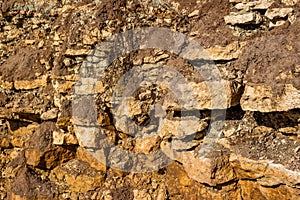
[[262, 98]]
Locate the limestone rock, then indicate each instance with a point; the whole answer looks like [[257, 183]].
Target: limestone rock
[[58, 137], [96, 159], [277, 23], [70, 139], [29, 42], [289, 130], [22, 135], [40, 151], [278, 12], [48, 153], [290, 2], [78, 176], [194, 13], [263, 4], [63, 86], [162, 194], [28, 85], [6, 84], [262, 98], [61, 138], [183, 145], [28, 186], [252, 190], [147, 144], [254, 5], [267, 173], [4, 143], [181, 186], [230, 52], [79, 52], [212, 170], [183, 127], [243, 18], [141, 195], [50, 114]]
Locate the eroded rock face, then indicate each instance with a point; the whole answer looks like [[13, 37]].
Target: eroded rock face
[[40, 152], [272, 81], [28, 185], [243, 18], [78, 176], [49, 151]]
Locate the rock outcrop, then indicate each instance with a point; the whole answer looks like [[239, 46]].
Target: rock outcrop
[[213, 117]]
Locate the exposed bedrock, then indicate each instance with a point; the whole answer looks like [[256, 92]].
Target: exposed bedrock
[[216, 121]]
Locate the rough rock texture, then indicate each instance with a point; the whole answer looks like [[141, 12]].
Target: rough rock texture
[[50, 149]]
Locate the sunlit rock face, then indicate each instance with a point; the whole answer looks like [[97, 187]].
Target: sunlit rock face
[[203, 104]]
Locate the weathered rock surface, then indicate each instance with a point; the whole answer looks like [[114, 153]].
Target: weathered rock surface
[[31, 186], [243, 18], [40, 152], [273, 84], [78, 176], [49, 149]]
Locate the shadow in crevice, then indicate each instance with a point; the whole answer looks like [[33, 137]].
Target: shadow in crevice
[[15, 124], [278, 120], [234, 113], [250, 27]]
